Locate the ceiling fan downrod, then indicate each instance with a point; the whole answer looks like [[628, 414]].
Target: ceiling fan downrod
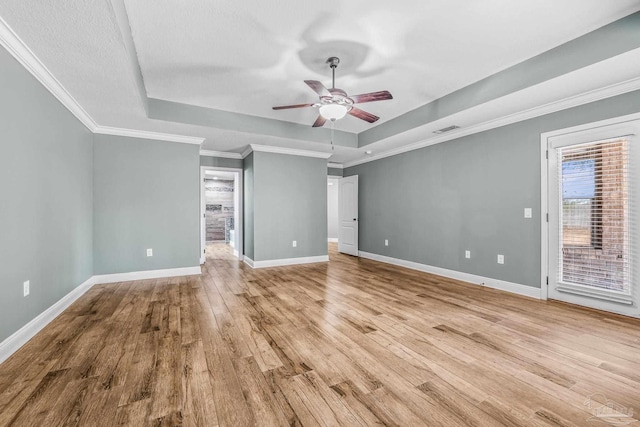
[[333, 63]]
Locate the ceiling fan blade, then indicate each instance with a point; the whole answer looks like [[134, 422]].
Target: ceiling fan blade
[[318, 87], [370, 97], [320, 121], [285, 107], [367, 117]]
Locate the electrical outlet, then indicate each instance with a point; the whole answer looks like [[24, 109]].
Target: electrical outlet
[[500, 259], [467, 254], [295, 244], [527, 213], [149, 252], [386, 242], [25, 288]]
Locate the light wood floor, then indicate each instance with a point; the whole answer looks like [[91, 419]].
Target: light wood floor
[[351, 342]]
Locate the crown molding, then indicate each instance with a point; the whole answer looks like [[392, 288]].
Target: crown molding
[[552, 107], [25, 56], [246, 152], [335, 165], [21, 52], [223, 154], [132, 133], [281, 150]]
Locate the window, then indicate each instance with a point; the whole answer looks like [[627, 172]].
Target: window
[[582, 220], [595, 216]]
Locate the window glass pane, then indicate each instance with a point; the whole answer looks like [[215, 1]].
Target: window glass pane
[[576, 222], [578, 179]]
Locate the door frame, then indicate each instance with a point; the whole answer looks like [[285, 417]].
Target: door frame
[[544, 188], [238, 196]]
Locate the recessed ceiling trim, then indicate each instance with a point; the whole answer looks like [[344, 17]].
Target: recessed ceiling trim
[[21, 52], [335, 165], [552, 107], [122, 19], [606, 42], [280, 150], [132, 133], [160, 109], [222, 154]]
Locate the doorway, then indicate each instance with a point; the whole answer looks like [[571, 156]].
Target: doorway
[[221, 213], [592, 205]]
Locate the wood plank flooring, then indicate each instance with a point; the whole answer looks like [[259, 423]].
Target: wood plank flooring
[[351, 342]]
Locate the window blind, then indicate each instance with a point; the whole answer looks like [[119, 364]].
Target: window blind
[[595, 221]]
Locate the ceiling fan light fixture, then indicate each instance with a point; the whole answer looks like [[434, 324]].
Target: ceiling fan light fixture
[[335, 103], [333, 111]]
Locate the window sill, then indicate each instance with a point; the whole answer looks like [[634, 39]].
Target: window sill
[[592, 293]]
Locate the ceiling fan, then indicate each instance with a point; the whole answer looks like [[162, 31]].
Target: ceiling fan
[[334, 103]]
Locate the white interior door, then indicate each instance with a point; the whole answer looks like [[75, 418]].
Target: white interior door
[[348, 215], [592, 189]]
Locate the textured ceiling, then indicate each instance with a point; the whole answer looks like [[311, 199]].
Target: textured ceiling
[[247, 56]]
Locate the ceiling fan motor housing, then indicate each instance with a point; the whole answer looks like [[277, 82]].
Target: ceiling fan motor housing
[[338, 96]]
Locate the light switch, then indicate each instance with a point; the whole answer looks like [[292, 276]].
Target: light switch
[[467, 254], [386, 242], [295, 244], [527, 213]]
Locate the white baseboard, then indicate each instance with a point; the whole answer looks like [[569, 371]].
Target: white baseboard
[[285, 261], [502, 285], [332, 240], [148, 274], [24, 334]]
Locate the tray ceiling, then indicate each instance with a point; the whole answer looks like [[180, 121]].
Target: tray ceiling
[[245, 57]]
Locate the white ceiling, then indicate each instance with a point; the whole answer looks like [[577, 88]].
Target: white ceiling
[[248, 56], [251, 55]]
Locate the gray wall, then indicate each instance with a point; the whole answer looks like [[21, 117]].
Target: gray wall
[[334, 171], [468, 194], [332, 207], [46, 198], [248, 206], [290, 203], [220, 162], [147, 195]]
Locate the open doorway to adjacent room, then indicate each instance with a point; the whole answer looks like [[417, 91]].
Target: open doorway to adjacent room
[[221, 213]]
